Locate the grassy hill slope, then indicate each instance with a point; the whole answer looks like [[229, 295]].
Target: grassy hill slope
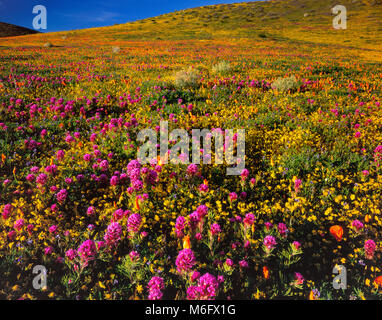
[[11, 30], [309, 21]]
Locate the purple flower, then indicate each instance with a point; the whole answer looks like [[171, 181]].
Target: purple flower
[[370, 247], [137, 184], [42, 179], [194, 220], [61, 195], [179, 226], [299, 279], [31, 177], [232, 196], [87, 157], [229, 262], [155, 286], [192, 169], [283, 230], [358, 225], [118, 214], [114, 181], [48, 251], [203, 188], [134, 255], [195, 275], [90, 211], [243, 264], [244, 174], [19, 224], [134, 223], [53, 229], [215, 229], [113, 234], [71, 254], [60, 154], [249, 219], [7, 211], [270, 242], [185, 260], [207, 287], [155, 294], [104, 165], [202, 210], [192, 293], [296, 245], [87, 250]]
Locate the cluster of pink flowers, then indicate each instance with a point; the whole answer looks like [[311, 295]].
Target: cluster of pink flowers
[[196, 218], [270, 242], [296, 245], [299, 279], [134, 173], [378, 155], [192, 169], [244, 174], [297, 185], [369, 247], [113, 234], [179, 226], [134, 223], [7, 210], [42, 179], [19, 224], [53, 229], [87, 250], [206, 289], [150, 176], [215, 229], [249, 219], [104, 165], [119, 214], [203, 188], [185, 260], [232, 196], [282, 229], [358, 225], [61, 195], [202, 210], [48, 250], [71, 254], [52, 169], [134, 255], [155, 287], [90, 211]]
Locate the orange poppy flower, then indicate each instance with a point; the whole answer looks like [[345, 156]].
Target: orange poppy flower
[[311, 296], [378, 281], [337, 232], [186, 242], [265, 272], [137, 203]]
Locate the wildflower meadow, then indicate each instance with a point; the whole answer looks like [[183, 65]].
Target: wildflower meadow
[[82, 217]]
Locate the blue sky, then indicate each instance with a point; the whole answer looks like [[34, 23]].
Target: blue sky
[[79, 14]]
